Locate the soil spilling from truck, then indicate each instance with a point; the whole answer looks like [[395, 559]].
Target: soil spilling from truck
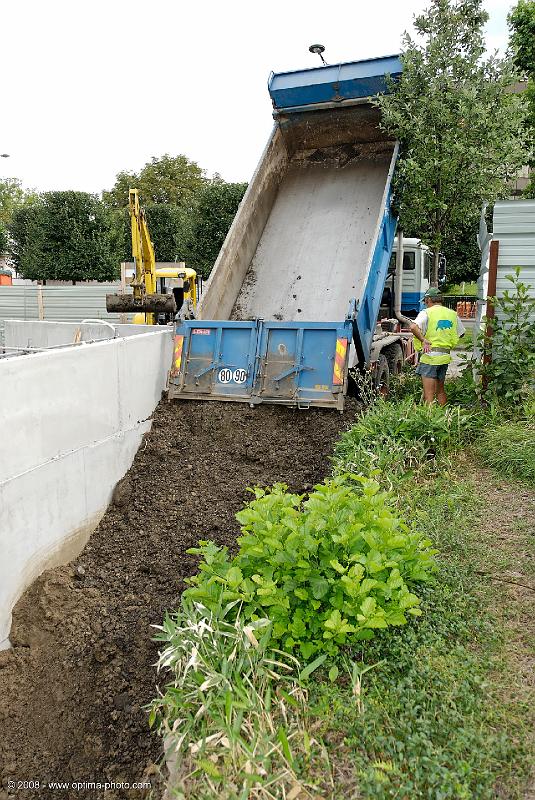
[[73, 688]]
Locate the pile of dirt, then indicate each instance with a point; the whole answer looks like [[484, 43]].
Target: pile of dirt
[[73, 688]]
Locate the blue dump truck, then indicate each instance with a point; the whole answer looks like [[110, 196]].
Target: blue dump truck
[[293, 302]]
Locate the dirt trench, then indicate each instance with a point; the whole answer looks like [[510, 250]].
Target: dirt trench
[[73, 688]]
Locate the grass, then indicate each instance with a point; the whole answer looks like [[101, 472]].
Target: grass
[[404, 440], [434, 721], [510, 450], [461, 391], [463, 288], [232, 717]]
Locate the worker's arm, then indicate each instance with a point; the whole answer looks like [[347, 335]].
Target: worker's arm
[[416, 331]]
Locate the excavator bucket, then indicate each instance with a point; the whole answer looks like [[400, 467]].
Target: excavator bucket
[[151, 304]]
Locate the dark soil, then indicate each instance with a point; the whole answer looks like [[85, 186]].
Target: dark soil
[[73, 688]]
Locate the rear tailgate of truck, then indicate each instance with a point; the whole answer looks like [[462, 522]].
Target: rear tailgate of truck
[[293, 363]]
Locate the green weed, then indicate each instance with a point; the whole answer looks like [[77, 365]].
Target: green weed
[[405, 385], [403, 439], [510, 450], [233, 715]]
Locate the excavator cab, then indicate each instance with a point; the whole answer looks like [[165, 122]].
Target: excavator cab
[[179, 283]]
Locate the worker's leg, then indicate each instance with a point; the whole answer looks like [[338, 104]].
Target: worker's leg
[[441, 377], [427, 373], [441, 394], [430, 389]]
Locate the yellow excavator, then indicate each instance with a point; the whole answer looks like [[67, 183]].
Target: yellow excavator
[[158, 294]]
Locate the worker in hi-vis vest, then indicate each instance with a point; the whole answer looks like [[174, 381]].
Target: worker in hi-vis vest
[[436, 330]]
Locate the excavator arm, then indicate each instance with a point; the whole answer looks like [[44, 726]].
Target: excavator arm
[[144, 297]]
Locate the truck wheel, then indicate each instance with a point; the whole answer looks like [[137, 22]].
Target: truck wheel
[[382, 376], [394, 357]]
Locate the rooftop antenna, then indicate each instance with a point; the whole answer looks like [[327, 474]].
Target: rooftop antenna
[[318, 49]]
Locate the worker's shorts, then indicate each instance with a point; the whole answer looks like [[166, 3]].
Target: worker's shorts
[[436, 371]]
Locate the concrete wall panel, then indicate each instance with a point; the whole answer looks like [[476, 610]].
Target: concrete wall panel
[[72, 419], [33, 333]]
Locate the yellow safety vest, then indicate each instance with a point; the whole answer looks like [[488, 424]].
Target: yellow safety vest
[[441, 333]]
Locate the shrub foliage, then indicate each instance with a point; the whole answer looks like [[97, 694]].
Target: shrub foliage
[[327, 570], [509, 340], [63, 236]]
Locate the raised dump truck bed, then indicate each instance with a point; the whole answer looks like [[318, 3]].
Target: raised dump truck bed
[[315, 249], [301, 273]]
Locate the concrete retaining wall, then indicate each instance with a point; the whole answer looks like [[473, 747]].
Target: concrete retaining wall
[[72, 420], [30, 333]]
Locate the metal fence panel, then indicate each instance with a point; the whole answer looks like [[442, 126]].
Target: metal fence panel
[[59, 303], [514, 226]]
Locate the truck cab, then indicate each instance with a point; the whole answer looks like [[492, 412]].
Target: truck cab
[[417, 264]]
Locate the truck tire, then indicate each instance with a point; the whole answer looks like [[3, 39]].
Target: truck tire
[[394, 357], [382, 376]]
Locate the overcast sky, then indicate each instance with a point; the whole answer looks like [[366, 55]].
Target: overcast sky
[[90, 89]]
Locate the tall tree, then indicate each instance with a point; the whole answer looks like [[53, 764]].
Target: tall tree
[[218, 203], [169, 179], [169, 227], [4, 239], [522, 24], [12, 197], [64, 236], [463, 256], [461, 130]]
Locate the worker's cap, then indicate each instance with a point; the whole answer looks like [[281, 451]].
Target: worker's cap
[[433, 292]]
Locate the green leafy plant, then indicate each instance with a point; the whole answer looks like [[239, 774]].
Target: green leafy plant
[[326, 571], [463, 391], [509, 342]]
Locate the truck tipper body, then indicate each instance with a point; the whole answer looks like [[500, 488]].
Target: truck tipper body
[[294, 296]]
